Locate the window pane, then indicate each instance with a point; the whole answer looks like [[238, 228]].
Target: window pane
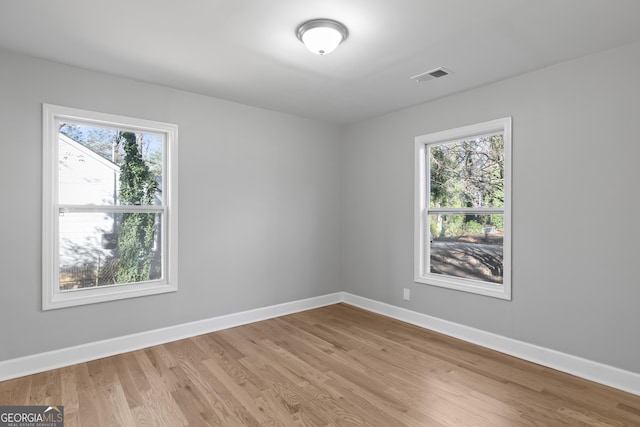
[[98, 249], [467, 174], [103, 166], [467, 246]]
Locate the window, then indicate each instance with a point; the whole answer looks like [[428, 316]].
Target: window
[[462, 217], [109, 207]]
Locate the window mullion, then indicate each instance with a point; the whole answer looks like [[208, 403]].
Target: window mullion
[[62, 208], [486, 211]]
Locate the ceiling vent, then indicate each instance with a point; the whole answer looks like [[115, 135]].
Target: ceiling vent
[[430, 75]]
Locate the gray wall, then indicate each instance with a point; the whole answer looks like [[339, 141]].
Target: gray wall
[[576, 285], [275, 208], [259, 199]]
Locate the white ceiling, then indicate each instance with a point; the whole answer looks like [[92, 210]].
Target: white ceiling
[[247, 51]]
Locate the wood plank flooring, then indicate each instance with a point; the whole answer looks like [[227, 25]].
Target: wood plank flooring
[[332, 366]]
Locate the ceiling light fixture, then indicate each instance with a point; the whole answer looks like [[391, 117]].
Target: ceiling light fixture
[[322, 36]]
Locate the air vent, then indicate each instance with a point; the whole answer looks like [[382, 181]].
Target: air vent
[[430, 75]]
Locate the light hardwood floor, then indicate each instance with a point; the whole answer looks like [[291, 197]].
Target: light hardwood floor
[[332, 366]]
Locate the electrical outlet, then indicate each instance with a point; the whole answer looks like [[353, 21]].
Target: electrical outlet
[[406, 294]]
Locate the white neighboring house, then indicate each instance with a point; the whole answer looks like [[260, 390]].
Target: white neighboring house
[[85, 178]]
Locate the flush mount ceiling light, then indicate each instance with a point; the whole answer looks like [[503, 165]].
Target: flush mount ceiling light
[[322, 36]]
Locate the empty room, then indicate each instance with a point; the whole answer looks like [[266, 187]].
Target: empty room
[[320, 213]]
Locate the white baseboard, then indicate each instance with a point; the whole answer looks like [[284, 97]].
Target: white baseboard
[[593, 371], [41, 362], [604, 374]]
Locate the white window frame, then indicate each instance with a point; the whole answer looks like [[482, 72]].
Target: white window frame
[[422, 272], [52, 296]]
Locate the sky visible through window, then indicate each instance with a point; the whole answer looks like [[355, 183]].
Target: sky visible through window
[[106, 143]]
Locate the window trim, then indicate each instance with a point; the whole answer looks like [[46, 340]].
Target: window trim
[[421, 221], [52, 297]]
